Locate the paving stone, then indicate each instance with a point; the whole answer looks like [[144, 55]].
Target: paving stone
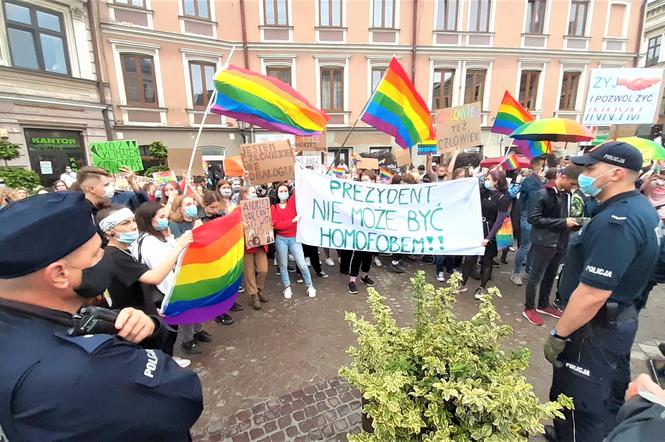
[[285, 398], [273, 404], [334, 402], [265, 439], [315, 434], [355, 419], [328, 430], [356, 394], [259, 409], [309, 399], [256, 433], [244, 437], [310, 389], [319, 421], [299, 415], [259, 419], [319, 396], [285, 409], [291, 432], [322, 406], [331, 416], [331, 392], [244, 426], [298, 404], [244, 415], [343, 410], [306, 426], [215, 437], [278, 437], [311, 411], [269, 427], [346, 397], [216, 427], [284, 421], [298, 394], [341, 425]]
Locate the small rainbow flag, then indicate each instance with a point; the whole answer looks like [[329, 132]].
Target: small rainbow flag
[[209, 273], [265, 102], [339, 172], [396, 109], [512, 115], [511, 162], [504, 236], [385, 174]]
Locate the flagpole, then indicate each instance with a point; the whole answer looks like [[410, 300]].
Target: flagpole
[[211, 100]]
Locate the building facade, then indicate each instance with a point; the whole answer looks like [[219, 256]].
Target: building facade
[[653, 32]]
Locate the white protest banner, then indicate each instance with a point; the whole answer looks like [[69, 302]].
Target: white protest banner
[[312, 162], [433, 219], [623, 96]]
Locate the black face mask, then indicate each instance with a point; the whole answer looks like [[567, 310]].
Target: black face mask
[[96, 279]]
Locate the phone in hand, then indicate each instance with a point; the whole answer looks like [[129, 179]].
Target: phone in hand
[[658, 371]]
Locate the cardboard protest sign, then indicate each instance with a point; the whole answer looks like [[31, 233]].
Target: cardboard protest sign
[[311, 143], [257, 222], [268, 162], [310, 162], [368, 164], [233, 166], [402, 157], [433, 219], [164, 177], [112, 155], [458, 127], [623, 96], [122, 185]]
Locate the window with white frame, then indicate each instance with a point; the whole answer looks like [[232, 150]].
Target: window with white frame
[[383, 14], [474, 85], [275, 12], [569, 84], [138, 72], [202, 77], [140, 4], [446, 15], [330, 13], [332, 88], [282, 73], [377, 75], [528, 93], [442, 88], [196, 9], [535, 16], [578, 16], [480, 11]]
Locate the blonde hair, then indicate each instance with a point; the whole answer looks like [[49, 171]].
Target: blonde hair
[[176, 215]]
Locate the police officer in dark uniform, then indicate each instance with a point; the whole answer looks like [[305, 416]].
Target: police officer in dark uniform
[[56, 384], [607, 268]]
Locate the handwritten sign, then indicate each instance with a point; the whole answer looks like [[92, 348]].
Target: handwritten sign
[[312, 162], [433, 219], [402, 157], [122, 185], [112, 155], [458, 127], [257, 222], [311, 143], [367, 164], [233, 166], [163, 177], [268, 162]]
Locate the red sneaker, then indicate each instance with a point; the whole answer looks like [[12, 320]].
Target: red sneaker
[[550, 311], [532, 316]]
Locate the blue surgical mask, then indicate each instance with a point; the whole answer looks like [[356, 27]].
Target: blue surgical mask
[[283, 196], [162, 224], [191, 211], [489, 185], [226, 192], [252, 196], [587, 186], [158, 194], [128, 237]]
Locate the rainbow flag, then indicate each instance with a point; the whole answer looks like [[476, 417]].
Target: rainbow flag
[[265, 102], [385, 174], [512, 115], [209, 273], [504, 236], [396, 109], [511, 162], [339, 172]]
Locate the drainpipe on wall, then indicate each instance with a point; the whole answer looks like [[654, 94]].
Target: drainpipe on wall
[[243, 26], [98, 70], [413, 41], [638, 44]]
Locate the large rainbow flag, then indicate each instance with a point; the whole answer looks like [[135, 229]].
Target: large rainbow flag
[[396, 109], [512, 115], [209, 273], [265, 102]]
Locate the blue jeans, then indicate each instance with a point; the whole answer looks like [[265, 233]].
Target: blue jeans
[[522, 254], [284, 246]]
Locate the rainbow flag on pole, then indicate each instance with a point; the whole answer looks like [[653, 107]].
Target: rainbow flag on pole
[[511, 162], [337, 171], [265, 102], [209, 273], [385, 174], [512, 115], [396, 109]]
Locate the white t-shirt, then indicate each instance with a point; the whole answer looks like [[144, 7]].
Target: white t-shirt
[[153, 252], [68, 178]]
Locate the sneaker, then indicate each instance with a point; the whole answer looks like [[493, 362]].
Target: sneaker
[[182, 363], [277, 271], [440, 276], [191, 347], [287, 293], [311, 292], [308, 262], [352, 288], [512, 249], [322, 274], [377, 262], [330, 262], [495, 263], [532, 316], [461, 288], [237, 307], [241, 289], [479, 293], [367, 281], [397, 268], [203, 336], [224, 319], [515, 279], [428, 259], [550, 311], [291, 269], [300, 279]]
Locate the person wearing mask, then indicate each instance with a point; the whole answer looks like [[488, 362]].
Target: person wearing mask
[[52, 384], [602, 288], [285, 221], [549, 216], [494, 202], [97, 186], [68, 176], [530, 185], [224, 189], [255, 264], [60, 186]]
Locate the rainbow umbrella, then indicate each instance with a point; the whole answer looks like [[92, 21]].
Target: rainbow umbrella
[[650, 149], [553, 129]]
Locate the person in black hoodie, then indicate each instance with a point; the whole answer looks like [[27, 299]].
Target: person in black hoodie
[[549, 215]]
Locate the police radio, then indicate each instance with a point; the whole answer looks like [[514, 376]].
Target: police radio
[[93, 321]]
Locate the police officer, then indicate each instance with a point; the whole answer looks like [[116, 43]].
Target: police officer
[[55, 385], [607, 268]]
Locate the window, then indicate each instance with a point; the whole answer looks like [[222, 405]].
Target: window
[[446, 18], [275, 12], [281, 73], [535, 16], [377, 76], [569, 84], [330, 13], [480, 15], [529, 88], [203, 82], [577, 19], [132, 3], [36, 38], [139, 74], [442, 89], [384, 14], [332, 89], [196, 9], [653, 51], [474, 87]]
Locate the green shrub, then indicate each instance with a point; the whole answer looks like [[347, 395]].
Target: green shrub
[[157, 149], [443, 378], [150, 170], [9, 151], [18, 177]]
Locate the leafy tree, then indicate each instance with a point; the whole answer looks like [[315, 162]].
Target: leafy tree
[[19, 177], [9, 151], [157, 149]]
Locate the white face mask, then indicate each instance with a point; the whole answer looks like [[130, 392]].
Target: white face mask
[[109, 190]]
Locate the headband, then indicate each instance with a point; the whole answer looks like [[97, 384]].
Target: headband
[[115, 218]]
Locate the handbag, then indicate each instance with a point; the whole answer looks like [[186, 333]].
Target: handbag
[[504, 236]]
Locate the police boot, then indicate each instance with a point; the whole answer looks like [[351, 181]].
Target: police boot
[[191, 347], [256, 303]]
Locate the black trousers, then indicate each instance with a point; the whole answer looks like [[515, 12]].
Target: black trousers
[[544, 265], [595, 374], [353, 261], [485, 264], [312, 252]]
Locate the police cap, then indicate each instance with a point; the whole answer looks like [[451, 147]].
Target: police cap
[[39, 230], [616, 153]]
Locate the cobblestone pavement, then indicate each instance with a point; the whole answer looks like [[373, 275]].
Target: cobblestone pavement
[[266, 375]]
